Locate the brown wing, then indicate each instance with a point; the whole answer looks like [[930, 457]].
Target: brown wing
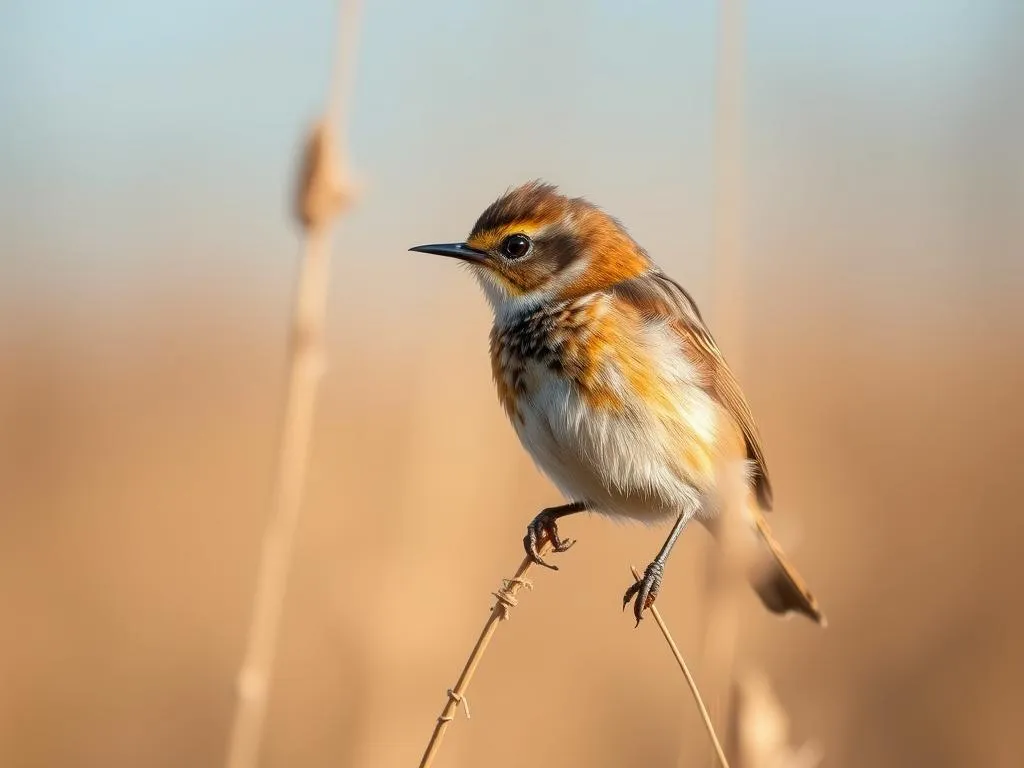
[[655, 294]]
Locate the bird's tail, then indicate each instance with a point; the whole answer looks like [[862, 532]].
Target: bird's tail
[[777, 582]]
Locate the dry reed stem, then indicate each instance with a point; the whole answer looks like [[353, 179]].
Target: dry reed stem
[[726, 582], [719, 752], [505, 598], [721, 617], [322, 192], [759, 731], [728, 212]]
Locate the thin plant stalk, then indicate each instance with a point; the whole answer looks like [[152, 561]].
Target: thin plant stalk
[[728, 252], [731, 560], [303, 379], [690, 681], [322, 193], [505, 598]]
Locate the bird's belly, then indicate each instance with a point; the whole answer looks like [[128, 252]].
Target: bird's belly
[[622, 460]]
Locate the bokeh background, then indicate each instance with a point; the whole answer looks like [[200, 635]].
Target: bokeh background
[[147, 262]]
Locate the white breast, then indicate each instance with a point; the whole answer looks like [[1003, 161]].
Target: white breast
[[624, 462]]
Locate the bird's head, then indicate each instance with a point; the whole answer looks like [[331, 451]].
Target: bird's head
[[533, 246]]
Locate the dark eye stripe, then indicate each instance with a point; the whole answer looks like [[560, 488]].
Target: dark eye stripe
[[562, 247]]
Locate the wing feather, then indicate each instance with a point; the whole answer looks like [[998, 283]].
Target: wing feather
[[657, 295]]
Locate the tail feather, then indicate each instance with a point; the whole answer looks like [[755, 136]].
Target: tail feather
[[777, 582]]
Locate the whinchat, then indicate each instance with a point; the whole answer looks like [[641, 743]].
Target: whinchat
[[614, 384]]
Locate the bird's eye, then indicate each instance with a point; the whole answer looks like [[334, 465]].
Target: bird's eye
[[516, 246]]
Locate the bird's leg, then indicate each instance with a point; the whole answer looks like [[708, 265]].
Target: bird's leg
[[646, 590], [544, 524]]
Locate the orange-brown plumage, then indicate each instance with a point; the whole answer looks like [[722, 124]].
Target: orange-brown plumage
[[611, 378]]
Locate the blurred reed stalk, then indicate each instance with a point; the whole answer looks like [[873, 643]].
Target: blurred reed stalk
[[725, 563], [323, 191], [504, 600], [732, 559], [728, 214], [759, 731]]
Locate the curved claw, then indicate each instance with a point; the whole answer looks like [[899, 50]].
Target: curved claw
[[543, 525], [530, 542], [645, 590], [560, 545]]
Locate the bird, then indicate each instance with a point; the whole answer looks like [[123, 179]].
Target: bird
[[615, 386]]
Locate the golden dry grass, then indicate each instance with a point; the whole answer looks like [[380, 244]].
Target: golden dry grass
[[132, 524]]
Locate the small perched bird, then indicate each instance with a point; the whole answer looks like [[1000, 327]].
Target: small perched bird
[[614, 384]]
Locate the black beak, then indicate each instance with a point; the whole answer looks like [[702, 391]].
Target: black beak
[[455, 250]]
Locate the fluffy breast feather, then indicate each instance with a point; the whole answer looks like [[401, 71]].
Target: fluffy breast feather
[[609, 406]]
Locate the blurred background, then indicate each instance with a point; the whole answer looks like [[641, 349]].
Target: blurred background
[[147, 265]]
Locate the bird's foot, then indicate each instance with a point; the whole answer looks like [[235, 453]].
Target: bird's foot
[[645, 590], [544, 525]]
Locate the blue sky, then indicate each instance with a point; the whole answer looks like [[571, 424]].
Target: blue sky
[[147, 140]]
